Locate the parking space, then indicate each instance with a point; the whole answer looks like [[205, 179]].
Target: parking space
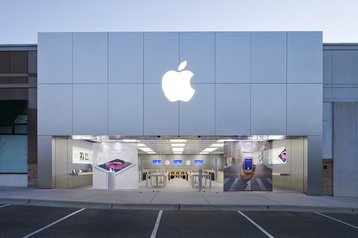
[[16, 221], [104, 223], [349, 218], [206, 224], [301, 224], [20, 221]]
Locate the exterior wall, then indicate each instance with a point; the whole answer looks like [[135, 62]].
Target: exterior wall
[[345, 149], [340, 84], [290, 175], [64, 164], [340, 76], [18, 82], [246, 84]]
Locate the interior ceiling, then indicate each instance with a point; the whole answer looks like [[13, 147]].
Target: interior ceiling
[[191, 146]]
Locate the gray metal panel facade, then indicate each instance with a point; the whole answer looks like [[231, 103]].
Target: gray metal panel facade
[[245, 84], [160, 54], [340, 90], [304, 58], [161, 117], [199, 109], [268, 57], [90, 109], [340, 73], [268, 109], [232, 57], [232, 118], [90, 57], [125, 58], [345, 149], [50, 97], [314, 165], [340, 84], [198, 48], [125, 109], [257, 67], [55, 58], [327, 136], [304, 114], [344, 66]]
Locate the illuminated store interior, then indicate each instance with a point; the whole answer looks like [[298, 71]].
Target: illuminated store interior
[[173, 163]]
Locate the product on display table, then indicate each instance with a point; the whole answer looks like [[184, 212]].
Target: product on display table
[[115, 165]]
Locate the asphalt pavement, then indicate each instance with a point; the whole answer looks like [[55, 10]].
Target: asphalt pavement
[[38, 221]]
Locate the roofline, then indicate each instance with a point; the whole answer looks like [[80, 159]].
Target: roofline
[[18, 47], [340, 46], [33, 47]]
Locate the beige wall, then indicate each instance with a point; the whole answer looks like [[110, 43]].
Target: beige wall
[[290, 175], [64, 165]]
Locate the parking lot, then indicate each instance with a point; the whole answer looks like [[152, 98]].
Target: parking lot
[[31, 221]]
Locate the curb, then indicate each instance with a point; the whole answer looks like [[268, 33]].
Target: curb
[[176, 207], [276, 208], [14, 201]]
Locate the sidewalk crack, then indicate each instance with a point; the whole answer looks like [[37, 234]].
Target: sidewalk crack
[[207, 201], [155, 195]]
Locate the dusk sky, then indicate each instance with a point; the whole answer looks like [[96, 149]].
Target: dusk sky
[[22, 19]]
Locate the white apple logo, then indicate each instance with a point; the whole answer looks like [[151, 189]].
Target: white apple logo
[[176, 84]]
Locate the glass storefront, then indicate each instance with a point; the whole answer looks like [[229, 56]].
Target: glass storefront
[[256, 163]]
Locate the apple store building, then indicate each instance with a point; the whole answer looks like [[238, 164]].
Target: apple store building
[[180, 111]]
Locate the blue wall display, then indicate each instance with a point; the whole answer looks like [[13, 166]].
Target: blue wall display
[[156, 162], [198, 162], [178, 162]]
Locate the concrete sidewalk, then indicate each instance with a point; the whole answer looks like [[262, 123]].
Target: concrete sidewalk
[[281, 200]]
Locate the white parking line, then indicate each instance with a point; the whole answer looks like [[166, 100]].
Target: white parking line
[[257, 225], [53, 223], [156, 226], [4, 205], [334, 219]]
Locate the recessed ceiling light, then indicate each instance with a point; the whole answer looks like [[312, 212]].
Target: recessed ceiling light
[[209, 149], [151, 152], [178, 152], [226, 140], [178, 145], [178, 140], [130, 140], [178, 149], [217, 145], [145, 149], [204, 153], [141, 145]]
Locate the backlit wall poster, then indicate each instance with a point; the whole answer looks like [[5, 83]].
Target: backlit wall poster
[[81, 155], [279, 155], [248, 166]]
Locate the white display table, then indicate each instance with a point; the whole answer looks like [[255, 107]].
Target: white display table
[[111, 180]]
